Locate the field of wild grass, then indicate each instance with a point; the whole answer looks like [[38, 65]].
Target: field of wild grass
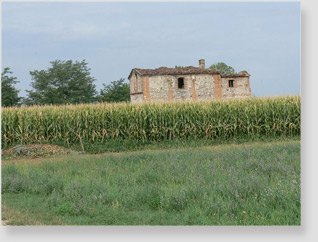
[[251, 184]]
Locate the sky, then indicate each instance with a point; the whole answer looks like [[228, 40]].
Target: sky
[[260, 37]]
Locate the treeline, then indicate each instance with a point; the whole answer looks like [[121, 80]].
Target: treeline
[[68, 82], [64, 82]]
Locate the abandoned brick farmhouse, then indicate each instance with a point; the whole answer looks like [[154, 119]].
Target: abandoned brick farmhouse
[[186, 84]]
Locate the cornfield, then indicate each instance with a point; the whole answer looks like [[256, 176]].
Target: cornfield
[[103, 122]]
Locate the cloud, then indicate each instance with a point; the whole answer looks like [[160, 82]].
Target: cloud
[[115, 37], [63, 30], [56, 21]]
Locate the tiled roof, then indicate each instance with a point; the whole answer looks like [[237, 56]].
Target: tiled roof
[[183, 71], [240, 74], [175, 71]]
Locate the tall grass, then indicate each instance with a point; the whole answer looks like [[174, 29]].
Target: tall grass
[[99, 123], [255, 184]]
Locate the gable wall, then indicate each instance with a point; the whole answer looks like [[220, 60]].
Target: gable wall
[[136, 88], [241, 87], [135, 83]]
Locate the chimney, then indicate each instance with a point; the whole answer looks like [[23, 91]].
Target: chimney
[[202, 64]]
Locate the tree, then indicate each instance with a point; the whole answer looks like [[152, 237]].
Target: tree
[[223, 68], [116, 91], [64, 82], [9, 94]]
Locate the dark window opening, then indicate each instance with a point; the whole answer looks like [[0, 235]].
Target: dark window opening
[[231, 83], [180, 83]]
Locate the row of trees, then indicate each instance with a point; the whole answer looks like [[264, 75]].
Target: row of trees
[[68, 82], [64, 82]]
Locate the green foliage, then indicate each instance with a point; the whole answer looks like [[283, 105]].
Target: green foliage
[[179, 67], [223, 68], [9, 94], [256, 184], [102, 123], [116, 91], [64, 82]]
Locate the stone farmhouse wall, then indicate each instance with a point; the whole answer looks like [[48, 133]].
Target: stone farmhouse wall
[[241, 87], [196, 86]]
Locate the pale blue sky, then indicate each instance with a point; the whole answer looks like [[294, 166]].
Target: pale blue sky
[[262, 38]]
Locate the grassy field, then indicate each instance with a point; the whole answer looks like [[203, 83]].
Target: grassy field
[[247, 184]]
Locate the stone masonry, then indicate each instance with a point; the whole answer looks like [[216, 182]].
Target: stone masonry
[[186, 84]]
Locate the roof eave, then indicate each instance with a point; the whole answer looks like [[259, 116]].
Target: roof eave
[[132, 72]]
